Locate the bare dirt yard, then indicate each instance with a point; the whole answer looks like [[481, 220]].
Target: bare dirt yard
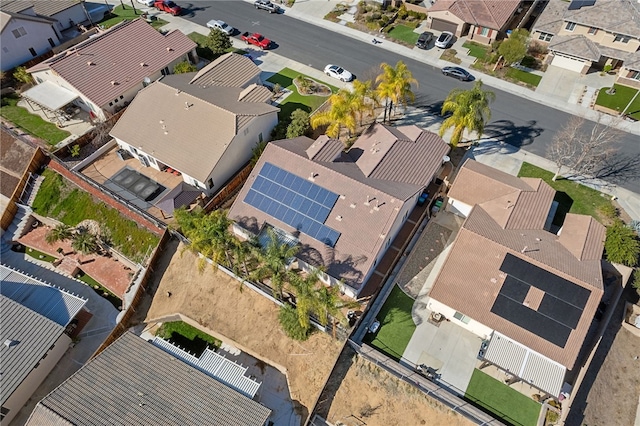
[[369, 395], [611, 389]]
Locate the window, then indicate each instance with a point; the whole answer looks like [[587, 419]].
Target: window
[[593, 31], [545, 36], [461, 317], [4, 49], [483, 31], [165, 71], [570, 26], [210, 183], [51, 42], [33, 52], [3, 412], [19, 32], [622, 39], [634, 75], [260, 137]]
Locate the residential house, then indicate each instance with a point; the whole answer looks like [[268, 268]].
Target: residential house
[[581, 35], [134, 381], [29, 29], [208, 124], [342, 208], [36, 322], [530, 293], [480, 21], [104, 73]]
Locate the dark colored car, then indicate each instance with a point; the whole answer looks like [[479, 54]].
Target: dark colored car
[[457, 72], [424, 40], [168, 6]]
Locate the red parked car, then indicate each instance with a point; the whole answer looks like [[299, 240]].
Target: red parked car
[[168, 6]]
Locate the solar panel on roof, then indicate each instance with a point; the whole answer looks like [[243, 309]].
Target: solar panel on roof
[[294, 201], [578, 4]]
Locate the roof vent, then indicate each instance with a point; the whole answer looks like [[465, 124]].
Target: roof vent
[[366, 203], [339, 218], [11, 343], [382, 236], [90, 63], [142, 64], [524, 250], [342, 196], [169, 49], [178, 92], [187, 105], [313, 176], [114, 83], [352, 205]]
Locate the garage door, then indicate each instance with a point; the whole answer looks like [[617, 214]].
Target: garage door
[[568, 63], [442, 25]]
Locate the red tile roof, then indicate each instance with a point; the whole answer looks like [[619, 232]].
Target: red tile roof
[[125, 55], [485, 13]]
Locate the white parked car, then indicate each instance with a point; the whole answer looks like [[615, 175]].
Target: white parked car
[[146, 2], [445, 40], [221, 25], [338, 72]]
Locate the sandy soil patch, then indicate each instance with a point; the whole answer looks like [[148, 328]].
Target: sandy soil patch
[[216, 301], [369, 395]]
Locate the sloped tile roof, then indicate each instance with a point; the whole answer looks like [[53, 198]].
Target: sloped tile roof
[[551, 20], [93, 65], [616, 16], [486, 13], [230, 69], [41, 7], [364, 229], [132, 382], [575, 45], [194, 127], [5, 18]]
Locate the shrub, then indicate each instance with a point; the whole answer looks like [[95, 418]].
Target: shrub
[[402, 12], [299, 125], [75, 150], [607, 68], [290, 323], [609, 211], [280, 131], [22, 75], [621, 244], [376, 16], [184, 67], [635, 283], [218, 42]]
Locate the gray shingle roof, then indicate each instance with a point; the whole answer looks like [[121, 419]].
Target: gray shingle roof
[[575, 45], [132, 382], [93, 65]]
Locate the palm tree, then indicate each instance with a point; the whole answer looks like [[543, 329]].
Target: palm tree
[[85, 243], [394, 85], [364, 98], [304, 287], [470, 110], [329, 306], [211, 237], [61, 232], [274, 263], [340, 114]]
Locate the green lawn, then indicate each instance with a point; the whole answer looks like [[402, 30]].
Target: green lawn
[[505, 403], [31, 123], [525, 77], [295, 100], [59, 199], [39, 255], [476, 50], [620, 100], [396, 325], [404, 33], [127, 13], [188, 337], [572, 196], [99, 289]]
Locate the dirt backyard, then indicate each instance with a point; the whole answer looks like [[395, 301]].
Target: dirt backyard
[[215, 301]]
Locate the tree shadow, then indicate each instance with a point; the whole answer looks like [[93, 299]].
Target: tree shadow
[[344, 268], [508, 132], [619, 169], [189, 10]]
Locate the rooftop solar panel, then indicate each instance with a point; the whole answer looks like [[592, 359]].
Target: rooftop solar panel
[[294, 201]]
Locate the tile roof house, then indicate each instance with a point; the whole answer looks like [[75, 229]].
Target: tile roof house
[[530, 293], [104, 76], [343, 208], [208, 124], [134, 382], [584, 34], [34, 318], [482, 21]]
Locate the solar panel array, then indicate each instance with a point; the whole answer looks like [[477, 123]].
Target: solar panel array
[[294, 201], [559, 311]]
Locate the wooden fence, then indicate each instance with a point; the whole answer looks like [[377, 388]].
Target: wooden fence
[[229, 189]]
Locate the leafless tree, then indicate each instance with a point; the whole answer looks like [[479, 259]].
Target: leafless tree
[[581, 150]]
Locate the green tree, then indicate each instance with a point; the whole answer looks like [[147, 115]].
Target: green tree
[[290, 324], [85, 243], [470, 111], [274, 260], [514, 48], [394, 86], [339, 114], [184, 67], [364, 98], [304, 287], [61, 232], [22, 75], [218, 41], [329, 306], [299, 125], [621, 244]]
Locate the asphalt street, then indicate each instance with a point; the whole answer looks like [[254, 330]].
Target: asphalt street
[[515, 120]]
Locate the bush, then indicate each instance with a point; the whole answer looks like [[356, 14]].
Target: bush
[[218, 42], [184, 67], [299, 125], [290, 323], [280, 131], [376, 16], [635, 283], [75, 150], [22, 75], [621, 244], [609, 211], [402, 12]]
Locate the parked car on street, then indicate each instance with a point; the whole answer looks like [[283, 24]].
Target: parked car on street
[[267, 5], [256, 39], [168, 6], [338, 72], [424, 40], [146, 2], [445, 40], [221, 25], [457, 72]]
